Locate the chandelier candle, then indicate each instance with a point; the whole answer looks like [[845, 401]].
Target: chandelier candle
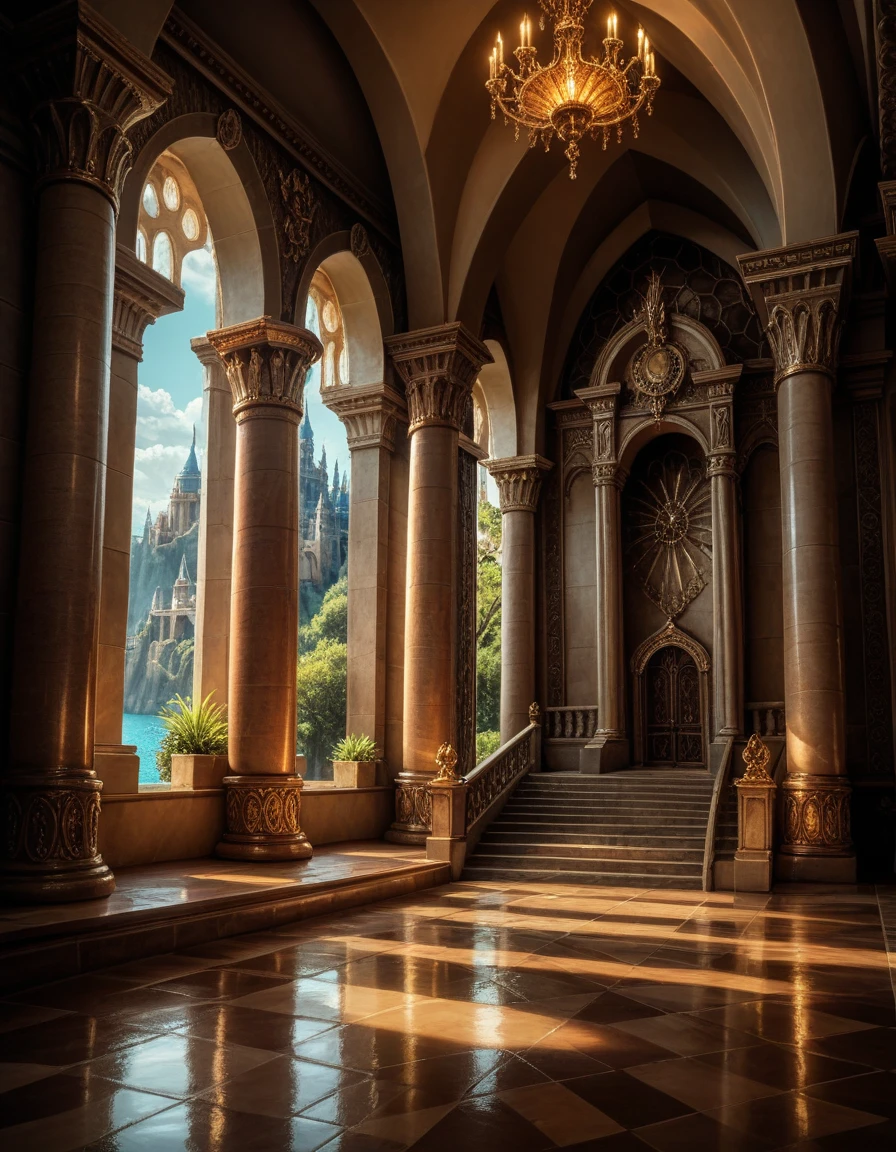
[[572, 95]]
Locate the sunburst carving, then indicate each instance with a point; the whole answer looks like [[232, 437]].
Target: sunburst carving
[[670, 532]]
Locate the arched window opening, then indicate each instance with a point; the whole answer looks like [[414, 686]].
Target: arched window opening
[[173, 233], [488, 595], [324, 470]]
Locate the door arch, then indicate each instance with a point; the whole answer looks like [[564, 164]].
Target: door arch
[[671, 700]]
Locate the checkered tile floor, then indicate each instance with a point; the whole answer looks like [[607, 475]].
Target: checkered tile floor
[[479, 1016]]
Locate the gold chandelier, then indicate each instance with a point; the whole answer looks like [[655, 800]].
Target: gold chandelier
[[573, 94]]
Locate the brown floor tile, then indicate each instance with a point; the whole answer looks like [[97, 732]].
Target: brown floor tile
[[69, 1039], [699, 1085], [611, 1008], [613, 1047], [878, 1008], [629, 1101], [794, 1116], [14, 1016], [875, 1048], [780, 1066], [874, 1092], [784, 1023], [686, 1035], [376, 1098], [221, 984], [188, 1126], [176, 1065], [700, 1132], [458, 1071], [874, 1138], [483, 1122], [563, 1116], [251, 1027], [280, 1087]]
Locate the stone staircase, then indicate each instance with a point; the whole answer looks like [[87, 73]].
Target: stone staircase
[[640, 828]]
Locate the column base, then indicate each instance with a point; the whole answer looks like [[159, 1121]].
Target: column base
[[815, 869], [413, 809], [118, 766], [263, 819], [607, 752], [817, 842], [50, 826], [752, 871]]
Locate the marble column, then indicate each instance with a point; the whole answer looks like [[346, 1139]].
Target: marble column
[[213, 576], [728, 638], [85, 86], [141, 296], [802, 294], [438, 367], [519, 484], [266, 362], [609, 750], [373, 416]]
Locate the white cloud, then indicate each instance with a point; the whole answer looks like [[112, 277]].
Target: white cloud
[[164, 433], [199, 274]]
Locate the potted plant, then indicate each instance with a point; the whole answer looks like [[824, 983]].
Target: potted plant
[[193, 752], [354, 762]]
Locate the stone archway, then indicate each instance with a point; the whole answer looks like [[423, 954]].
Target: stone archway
[[670, 699]]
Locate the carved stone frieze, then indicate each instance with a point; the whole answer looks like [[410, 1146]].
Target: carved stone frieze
[[816, 815], [413, 808], [266, 362], [141, 297], [609, 473], [230, 129], [720, 426], [263, 818], [299, 209], [372, 414], [721, 464], [359, 241], [886, 86], [801, 292], [439, 367], [85, 86], [576, 439], [519, 481]]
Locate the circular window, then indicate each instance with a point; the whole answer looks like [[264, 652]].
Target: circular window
[[141, 245], [330, 316], [162, 256], [190, 224], [150, 201], [171, 194]]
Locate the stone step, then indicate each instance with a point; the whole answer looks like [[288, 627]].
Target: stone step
[[624, 853], [602, 821], [523, 874], [600, 863], [513, 833], [591, 794], [620, 813]]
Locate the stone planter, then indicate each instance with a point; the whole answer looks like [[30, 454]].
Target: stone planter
[[354, 773], [198, 771]]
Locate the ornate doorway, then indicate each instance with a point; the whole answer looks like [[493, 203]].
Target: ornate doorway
[[673, 728], [671, 700]]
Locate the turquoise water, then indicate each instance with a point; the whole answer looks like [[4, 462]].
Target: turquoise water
[[146, 732]]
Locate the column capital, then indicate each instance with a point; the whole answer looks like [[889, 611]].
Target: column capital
[[371, 414], [204, 351], [519, 480], [266, 361], [600, 399], [801, 293], [438, 367], [85, 86], [141, 297]]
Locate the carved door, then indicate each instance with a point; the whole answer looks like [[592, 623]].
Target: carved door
[[673, 728]]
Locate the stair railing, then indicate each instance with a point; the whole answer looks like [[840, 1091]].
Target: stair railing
[[464, 806]]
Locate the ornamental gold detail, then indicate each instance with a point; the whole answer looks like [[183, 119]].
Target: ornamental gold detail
[[46, 825], [446, 759], [438, 367], [255, 809], [756, 756], [413, 807], [266, 362], [816, 815], [657, 368], [299, 209]]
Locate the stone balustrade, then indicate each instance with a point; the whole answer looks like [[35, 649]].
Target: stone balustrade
[[767, 717], [570, 723]]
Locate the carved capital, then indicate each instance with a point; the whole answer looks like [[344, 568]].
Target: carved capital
[[816, 816], [608, 475], [266, 362], [438, 367], [722, 464], [801, 292], [85, 86], [371, 414], [263, 819], [141, 297], [519, 481]]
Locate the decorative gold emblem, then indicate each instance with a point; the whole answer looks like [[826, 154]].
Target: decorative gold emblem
[[659, 367], [230, 129], [534, 713], [300, 208], [756, 757], [446, 758]]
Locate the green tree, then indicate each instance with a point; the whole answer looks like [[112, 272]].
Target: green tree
[[320, 700], [330, 622], [488, 620]]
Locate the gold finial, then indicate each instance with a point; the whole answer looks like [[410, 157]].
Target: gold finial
[[534, 713], [756, 758], [446, 758]]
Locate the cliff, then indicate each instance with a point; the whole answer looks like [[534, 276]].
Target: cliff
[[153, 568], [155, 671]]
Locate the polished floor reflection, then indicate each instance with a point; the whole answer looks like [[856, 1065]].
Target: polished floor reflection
[[479, 1016]]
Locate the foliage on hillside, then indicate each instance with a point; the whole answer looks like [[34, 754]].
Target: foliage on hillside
[[488, 621], [321, 679]]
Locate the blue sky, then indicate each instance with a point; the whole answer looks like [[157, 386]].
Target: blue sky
[[169, 400]]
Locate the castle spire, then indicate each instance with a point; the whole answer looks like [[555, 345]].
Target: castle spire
[[305, 430], [183, 574]]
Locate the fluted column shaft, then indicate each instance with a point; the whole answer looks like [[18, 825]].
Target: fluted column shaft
[[141, 296], [609, 750], [84, 88], [266, 362], [216, 512], [804, 296], [373, 416], [438, 367], [519, 484]]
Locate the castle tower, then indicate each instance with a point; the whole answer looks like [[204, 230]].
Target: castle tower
[[180, 594], [184, 507]]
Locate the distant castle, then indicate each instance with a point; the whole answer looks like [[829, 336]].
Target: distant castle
[[162, 597]]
